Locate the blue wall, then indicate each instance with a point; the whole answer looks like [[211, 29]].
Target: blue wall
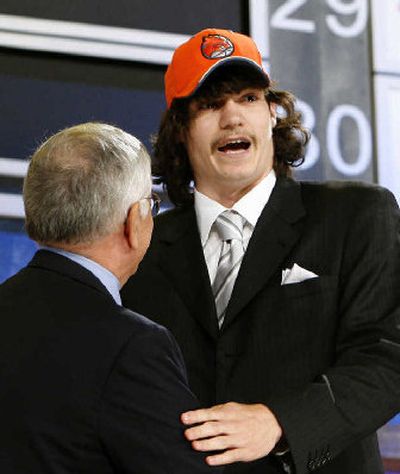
[[16, 249]]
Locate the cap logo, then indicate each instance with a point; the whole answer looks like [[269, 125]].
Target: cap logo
[[216, 47]]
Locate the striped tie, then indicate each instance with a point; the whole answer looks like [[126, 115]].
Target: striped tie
[[229, 226]]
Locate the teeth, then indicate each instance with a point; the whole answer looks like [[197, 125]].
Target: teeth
[[234, 141], [234, 145]]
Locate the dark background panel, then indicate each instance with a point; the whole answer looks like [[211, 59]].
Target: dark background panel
[[174, 16], [295, 64], [33, 109], [325, 71], [65, 68]]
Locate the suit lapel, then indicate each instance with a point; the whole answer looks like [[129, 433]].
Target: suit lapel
[[182, 260], [275, 234]]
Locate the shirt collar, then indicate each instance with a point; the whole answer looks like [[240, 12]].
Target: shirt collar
[[249, 206], [109, 280]]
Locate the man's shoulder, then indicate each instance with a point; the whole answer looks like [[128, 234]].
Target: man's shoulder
[[340, 187], [137, 323], [45, 291], [354, 192], [39, 301]]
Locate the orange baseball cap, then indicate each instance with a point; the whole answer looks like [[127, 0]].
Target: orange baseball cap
[[207, 50]]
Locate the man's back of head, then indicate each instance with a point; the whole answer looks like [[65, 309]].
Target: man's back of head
[[87, 191], [82, 181]]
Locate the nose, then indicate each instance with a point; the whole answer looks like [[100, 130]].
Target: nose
[[230, 115]]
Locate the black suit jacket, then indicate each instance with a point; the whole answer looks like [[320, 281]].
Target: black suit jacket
[[86, 386], [323, 354]]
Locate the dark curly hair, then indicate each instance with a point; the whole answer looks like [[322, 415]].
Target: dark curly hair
[[171, 162]]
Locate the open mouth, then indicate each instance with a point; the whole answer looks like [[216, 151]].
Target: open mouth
[[235, 145]]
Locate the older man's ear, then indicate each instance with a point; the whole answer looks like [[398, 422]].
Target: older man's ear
[[132, 224]]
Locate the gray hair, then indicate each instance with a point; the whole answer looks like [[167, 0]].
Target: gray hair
[[82, 181]]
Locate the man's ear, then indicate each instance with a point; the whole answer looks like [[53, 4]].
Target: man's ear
[[132, 225]]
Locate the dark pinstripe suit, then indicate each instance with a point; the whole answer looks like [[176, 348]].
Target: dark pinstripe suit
[[323, 354]]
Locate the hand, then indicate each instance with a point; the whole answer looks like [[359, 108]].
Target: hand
[[242, 432]]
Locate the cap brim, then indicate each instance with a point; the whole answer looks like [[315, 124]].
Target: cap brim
[[236, 60]]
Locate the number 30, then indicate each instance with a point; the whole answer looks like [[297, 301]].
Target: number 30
[[335, 155]]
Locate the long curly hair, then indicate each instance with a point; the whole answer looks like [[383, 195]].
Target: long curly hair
[[171, 162]]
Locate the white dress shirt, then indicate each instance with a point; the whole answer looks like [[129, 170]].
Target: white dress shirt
[[249, 206]]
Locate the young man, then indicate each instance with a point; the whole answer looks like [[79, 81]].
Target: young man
[[87, 386], [284, 296]]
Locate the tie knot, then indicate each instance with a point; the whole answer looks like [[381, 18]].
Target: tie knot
[[229, 225]]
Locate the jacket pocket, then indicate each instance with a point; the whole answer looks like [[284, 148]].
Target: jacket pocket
[[321, 284]]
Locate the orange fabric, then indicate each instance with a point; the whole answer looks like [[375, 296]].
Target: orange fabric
[[202, 53]]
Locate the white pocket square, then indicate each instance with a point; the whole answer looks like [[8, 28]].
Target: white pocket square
[[296, 274]]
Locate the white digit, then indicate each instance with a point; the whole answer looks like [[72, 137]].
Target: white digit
[[333, 140], [281, 18], [357, 7], [313, 147]]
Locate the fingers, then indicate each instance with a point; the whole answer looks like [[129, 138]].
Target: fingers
[[206, 430], [204, 414], [198, 416], [239, 432], [227, 457], [218, 443]]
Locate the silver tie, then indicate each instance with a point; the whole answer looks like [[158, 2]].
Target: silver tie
[[229, 226]]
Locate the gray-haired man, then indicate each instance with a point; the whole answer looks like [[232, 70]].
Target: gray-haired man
[[86, 385]]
